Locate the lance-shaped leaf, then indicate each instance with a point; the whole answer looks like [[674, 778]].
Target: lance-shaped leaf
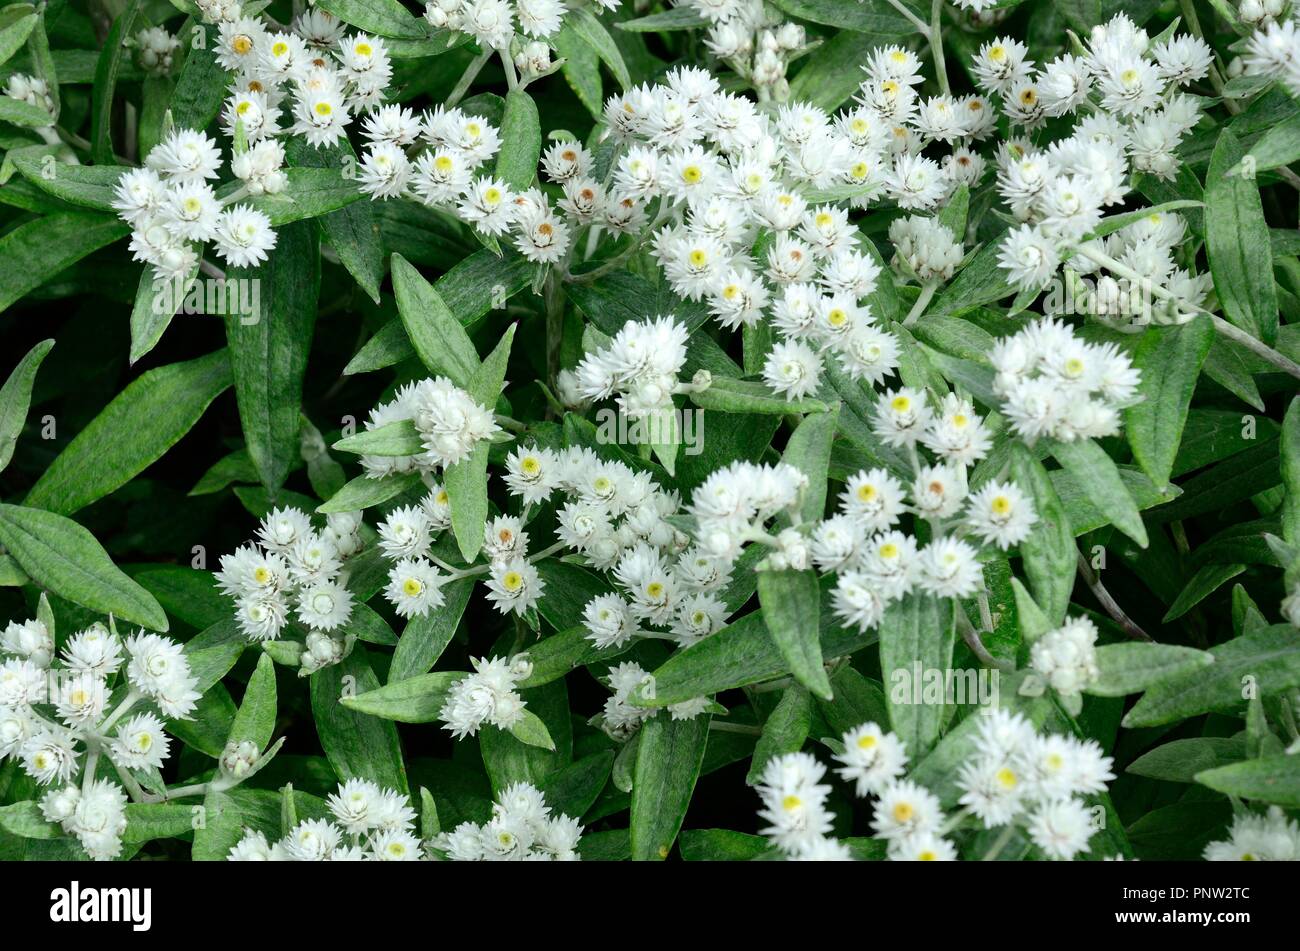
[[1048, 553], [790, 602], [36, 251], [438, 337], [358, 745], [1273, 779], [106, 71], [398, 438], [1099, 479], [916, 638], [1131, 668], [1237, 243], [466, 481], [809, 451], [16, 398], [670, 754], [130, 433], [255, 721], [521, 141], [425, 638], [64, 558], [784, 730], [417, 699], [1170, 359], [268, 350]]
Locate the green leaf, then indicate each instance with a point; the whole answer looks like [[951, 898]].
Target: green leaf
[[268, 350], [742, 653], [1048, 554], [37, 250], [677, 18], [381, 17], [1290, 463], [919, 630], [531, 731], [1170, 359], [1272, 779], [581, 68], [89, 186], [352, 231], [64, 558], [364, 492], [23, 114], [1180, 760], [1097, 476], [1131, 668], [308, 193], [593, 32], [16, 24], [728, 395], [417, 699], [131, 433], [790, 602], [24, 819], [572, 790], [398, 438], [156, 303], [1200, 586], [869, 16], [255, 720], [16, 398], [809, 451], [146, 821], [466, 481], [784, 731], [670, 754], [1267, 661], [438, 337], [357, 745], [722, 845], [106, 71], [1277, 147], [521, 141], [509, 759], [201, 85], [425, 638], [1237, 244]]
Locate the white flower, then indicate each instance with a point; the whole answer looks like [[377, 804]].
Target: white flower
[[1001, 514], [99, 819], [30, 640], [793, 369], [1270, 837], [243, 236], [140, 743], [324, 606], [185, 156], [514, 586], [486, 696], [950, 568], [1067, 657], [872, 758], [414, 587], [1061, 828], [906, 809], [794, 801]]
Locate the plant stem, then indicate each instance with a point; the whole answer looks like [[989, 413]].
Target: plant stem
[[972, 639], [467, 78], [1110, 605], [999, 844], [1221, 326], [936, 45], [911, 17], [554, 326], [744, 728], [922, 301]]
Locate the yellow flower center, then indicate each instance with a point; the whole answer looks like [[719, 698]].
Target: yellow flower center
[[692, 174], [277, 49], [412, 587], [866, 493], [363, 49], [903, 812], [1001, 505], [241, 44], [324, 109], [513, 581]]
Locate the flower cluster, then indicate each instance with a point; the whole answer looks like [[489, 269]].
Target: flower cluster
[[1014, 777], [639, 366], [1273, 49], [755, 43], [450, 423], [1271, 837], [294, 570], [31, 90], [489, 695], [155, 50], [368, 824], [172, 208], [76, 685], [1125, 88], [522, 829], [1066, 657], [1055, 384], [520, 30], [621, 718]]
